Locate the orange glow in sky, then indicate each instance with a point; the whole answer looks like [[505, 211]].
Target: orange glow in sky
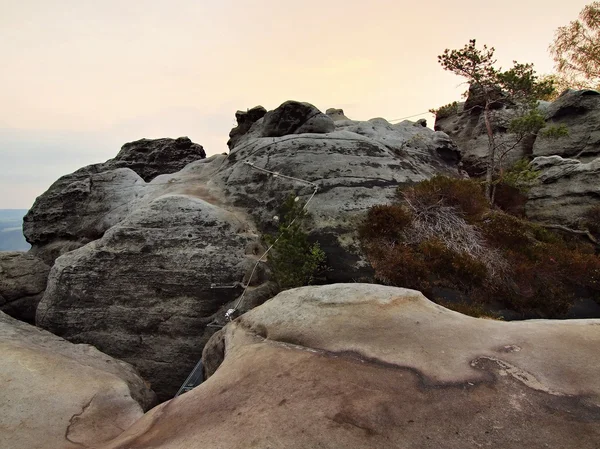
[[79, 77]]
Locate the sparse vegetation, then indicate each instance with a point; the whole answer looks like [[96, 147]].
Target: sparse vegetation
[[445, 111], [447, 237], [518, 86], [293, 259]]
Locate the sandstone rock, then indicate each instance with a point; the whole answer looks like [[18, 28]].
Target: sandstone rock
[[22, 283], [147, 289], [476, 98], [365, 366], [293, 117], [152, 157], [81, 206], [336, 114], [579, 111], [358, 165], [567, 189], [467, 130], [245, 120], [57, 395], [142, 290]]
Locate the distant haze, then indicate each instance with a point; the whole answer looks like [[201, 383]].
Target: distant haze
[[11, 230], [79, 77]]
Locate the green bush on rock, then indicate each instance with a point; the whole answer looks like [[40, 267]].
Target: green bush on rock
[[293, 259]]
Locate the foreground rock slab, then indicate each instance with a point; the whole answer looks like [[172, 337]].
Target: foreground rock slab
[[57, 395], [367, 366]]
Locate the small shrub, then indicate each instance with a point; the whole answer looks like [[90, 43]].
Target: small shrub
[[510, 199], [293, 259], [399, 265], [451, 268], [445, 111], [464, 194], [521, 176], [444, 235], [591, 220], [385, 222]]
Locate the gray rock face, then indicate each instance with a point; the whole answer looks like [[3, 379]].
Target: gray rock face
[[567, 189], [81, 206], [358, 165], [152, 157], [22, 284], [293, 117], [245, 120], [368, 366], [142, 290], [467, 130], [147, 289], [579, 111], [57, 395]]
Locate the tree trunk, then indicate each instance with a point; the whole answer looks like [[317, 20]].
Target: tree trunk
[[489, 174]]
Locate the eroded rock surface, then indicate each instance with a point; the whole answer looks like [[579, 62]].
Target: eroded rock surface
[[23, 280], [245, 120], [169, 256], [467, 129], [567, 189], [147, 289], [363, 366], [358, 165], [57, 395], [579, 112], [81, 206]]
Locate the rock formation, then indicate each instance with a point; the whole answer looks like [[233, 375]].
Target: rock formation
[[245, 120], [168, 256], [57, 395], [81, 206], [147, 289], [360, 365], [579, 111], [466, 128], [567, 189], [23, 280]]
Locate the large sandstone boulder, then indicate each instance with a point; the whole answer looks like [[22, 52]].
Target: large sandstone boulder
[[23, 280], [293, 117], [579, 112], [567, 189], [81, 206], [147, 289], [368, 366], [358, 165], [57, 395]]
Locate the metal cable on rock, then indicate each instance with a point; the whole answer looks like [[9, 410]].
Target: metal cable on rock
[[230, 312]]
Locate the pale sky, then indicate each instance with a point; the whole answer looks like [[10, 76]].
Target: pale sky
[[79, 78]]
